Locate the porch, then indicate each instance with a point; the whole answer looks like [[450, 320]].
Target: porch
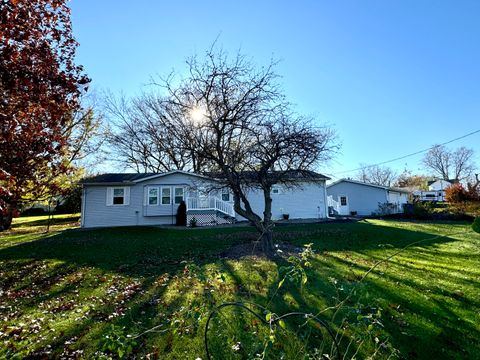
[[209, 211]]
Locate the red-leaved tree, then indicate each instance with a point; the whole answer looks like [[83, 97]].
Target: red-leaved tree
[[40, 87], [456, 193]]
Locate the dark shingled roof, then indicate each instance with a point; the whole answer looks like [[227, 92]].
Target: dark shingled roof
[[115, 178], [126, 178], [287, 175]]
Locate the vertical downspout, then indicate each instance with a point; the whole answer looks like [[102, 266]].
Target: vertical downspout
[[82, 209], [325, 198]]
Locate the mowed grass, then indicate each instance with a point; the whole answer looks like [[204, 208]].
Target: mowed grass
[[147, 292]]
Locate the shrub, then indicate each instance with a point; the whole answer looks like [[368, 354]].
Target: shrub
[[193, 222], [456, 193], [181, 216], [385, 209], [476, 225], [423, 210], [434, 211]]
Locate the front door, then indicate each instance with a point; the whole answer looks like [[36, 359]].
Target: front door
[[343, 207]]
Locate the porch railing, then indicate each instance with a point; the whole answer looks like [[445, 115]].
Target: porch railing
[[210, 203], [333, 204]]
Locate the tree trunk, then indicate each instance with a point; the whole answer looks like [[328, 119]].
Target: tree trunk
[[267, 242], [264, 226], [50, 215], [267, 233], [6, 219]]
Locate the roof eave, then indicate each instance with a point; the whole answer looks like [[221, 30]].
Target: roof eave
[[108, 183], [170, 173]]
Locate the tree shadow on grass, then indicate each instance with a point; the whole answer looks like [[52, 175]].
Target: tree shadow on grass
[[148, 253], [437, 333], [139, 251]]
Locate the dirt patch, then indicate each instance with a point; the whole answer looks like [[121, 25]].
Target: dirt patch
[[254, 250]]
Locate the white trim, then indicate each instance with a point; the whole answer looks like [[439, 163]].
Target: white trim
[[174, 193], [173, 172], [83, 207], [368, 184], [343, 209], [340, 200], [110, 195], [161, 195], [325, 199], [148, 195]]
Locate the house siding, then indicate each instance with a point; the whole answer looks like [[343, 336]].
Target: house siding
[[439, 185], [304, 201], [361, 198], [397, 197], [97, 214]]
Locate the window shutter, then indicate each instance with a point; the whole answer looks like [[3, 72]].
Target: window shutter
[[109, 196], [126, 200]]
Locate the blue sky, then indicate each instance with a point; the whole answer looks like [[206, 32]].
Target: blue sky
[[392, 77]]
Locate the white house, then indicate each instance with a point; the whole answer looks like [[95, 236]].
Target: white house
[[348, 197], [153, 199], [436, 191]]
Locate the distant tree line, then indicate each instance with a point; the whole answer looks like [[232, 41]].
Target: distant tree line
[[439, 162]]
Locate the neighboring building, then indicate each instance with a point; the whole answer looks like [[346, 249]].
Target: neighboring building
[[435, 192], [348, 197], [153, 199]]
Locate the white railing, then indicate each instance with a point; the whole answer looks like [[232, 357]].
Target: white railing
[[210, 203], [335, 205], [429, 195]]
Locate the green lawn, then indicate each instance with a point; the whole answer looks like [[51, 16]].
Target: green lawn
[[96, 293]]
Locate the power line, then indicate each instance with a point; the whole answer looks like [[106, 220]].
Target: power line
[[406, 156]]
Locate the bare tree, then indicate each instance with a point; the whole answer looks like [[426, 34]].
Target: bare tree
[[378, 175], [234, 116], [149, 135], [85, 131], [473, 187], [413, 181], [450, 164]]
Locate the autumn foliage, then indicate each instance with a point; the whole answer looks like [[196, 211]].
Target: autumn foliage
[[40, 87], [457, 193]]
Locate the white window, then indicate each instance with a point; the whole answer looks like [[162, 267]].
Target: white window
[[343, 200], [225, 195], [153, 196], [275, 189], [118, 196], [178, 195], [166, 196]]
